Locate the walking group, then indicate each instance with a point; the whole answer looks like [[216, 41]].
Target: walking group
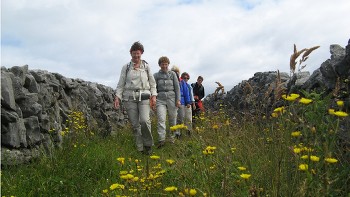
[[166, 91]]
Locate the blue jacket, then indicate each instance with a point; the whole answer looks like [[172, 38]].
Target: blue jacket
[[185, 93]]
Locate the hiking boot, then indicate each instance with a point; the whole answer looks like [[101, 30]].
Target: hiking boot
[[161, 144], [147, 150]]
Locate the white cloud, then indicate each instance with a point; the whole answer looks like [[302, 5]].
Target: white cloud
[[226, 41]]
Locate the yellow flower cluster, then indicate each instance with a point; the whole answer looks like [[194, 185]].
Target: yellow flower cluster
[[209, 150], [290, 97], [293, 97], [179, 126], [337, 113]]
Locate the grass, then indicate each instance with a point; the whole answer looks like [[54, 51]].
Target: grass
[[294, 152]]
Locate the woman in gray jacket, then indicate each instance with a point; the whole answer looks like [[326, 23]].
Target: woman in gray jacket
[[137, 89], [168, 99]]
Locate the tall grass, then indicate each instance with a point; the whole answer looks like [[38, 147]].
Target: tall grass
[[292, 152]]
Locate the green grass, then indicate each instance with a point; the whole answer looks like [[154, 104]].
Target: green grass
[[88, 164]]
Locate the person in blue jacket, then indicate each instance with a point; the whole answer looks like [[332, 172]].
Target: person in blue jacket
[[185, 100]]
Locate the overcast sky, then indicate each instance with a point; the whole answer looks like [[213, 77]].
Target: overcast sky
[[222, 40]]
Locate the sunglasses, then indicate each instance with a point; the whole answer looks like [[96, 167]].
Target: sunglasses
[[186, 78]]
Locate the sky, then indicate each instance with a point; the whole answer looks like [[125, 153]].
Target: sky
[[222, 40]]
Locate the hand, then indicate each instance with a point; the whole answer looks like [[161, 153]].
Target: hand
[[194, 106], [178, 103], [188, 106], [116, 102], [153, 102]]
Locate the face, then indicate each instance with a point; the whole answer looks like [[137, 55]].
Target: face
[[199, 81], [164, 66], [186, 78], [136, 56]]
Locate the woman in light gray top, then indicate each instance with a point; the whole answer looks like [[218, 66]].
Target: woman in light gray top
[[137, 89], [168, 99]]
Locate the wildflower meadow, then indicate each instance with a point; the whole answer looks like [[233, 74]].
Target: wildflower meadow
[[295, 153], [294, 150]]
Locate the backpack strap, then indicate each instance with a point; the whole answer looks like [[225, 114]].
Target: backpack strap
[[129, 65]]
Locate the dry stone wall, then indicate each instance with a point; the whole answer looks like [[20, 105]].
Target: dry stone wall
[[35, 105]]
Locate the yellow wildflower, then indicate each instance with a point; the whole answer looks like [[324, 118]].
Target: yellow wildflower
[[304, 157], [123, 172], [176, 127], [331, 111], [127, 176], [314, 158], [121, 160], [305, 101], [290, 97], [303, 167], [331, 160], [297, 150], [170, 161], [193, 192], [242, 168], [340, 103], [170, 189], [105, 191], [245, 176], [341, 114], [155, 157], [274, 115], [116, 186], [279, 110], [296, 134], [209, 150]]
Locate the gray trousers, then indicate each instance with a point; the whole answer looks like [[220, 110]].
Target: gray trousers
[[185, 117], [164, 107], [139, 117]]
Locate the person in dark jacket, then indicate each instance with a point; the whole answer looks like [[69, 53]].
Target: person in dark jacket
[[198, 94]]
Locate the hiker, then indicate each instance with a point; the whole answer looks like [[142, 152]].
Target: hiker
[[137, 90], [188, 110], [168, 99], [198, 92], [184, 99], [185, 103]]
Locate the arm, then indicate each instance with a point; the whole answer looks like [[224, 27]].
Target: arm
[[187, 95], [153, 88], [152, 82], [201, 93], [120, 87], [176, 89]]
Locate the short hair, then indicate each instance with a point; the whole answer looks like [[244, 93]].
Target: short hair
[[185, 74], [137, 46], [200, 77], [163, 59]]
